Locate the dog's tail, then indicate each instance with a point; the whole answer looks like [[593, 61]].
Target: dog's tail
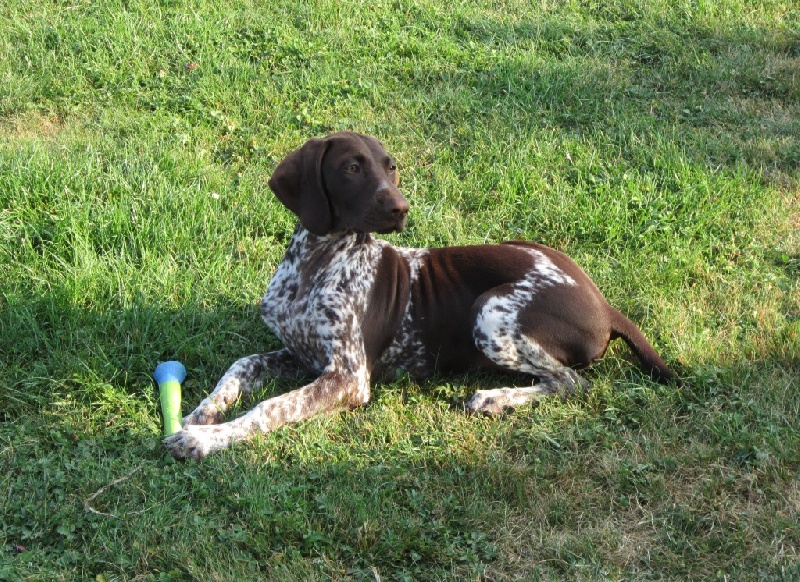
[[623, 327]]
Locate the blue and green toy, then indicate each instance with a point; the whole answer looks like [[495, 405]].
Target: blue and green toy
[[169, 376]]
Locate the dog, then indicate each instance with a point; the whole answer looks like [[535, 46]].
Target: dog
[[350, 307]]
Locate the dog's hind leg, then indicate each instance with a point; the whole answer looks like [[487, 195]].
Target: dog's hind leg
[[244, 376], [499, 335]]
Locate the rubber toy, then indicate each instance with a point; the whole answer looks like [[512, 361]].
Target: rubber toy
[[168, 376]]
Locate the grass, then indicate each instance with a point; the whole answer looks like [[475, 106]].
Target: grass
[[654, 141]]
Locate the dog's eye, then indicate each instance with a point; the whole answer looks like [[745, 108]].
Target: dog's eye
[[392, 168], [353, 169]]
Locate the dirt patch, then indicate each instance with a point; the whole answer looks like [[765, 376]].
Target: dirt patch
[[31, 126]]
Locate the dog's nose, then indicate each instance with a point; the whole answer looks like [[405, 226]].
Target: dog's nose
[[397, 206]]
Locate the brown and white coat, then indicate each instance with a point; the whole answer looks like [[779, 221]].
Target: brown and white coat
[[350, 307]]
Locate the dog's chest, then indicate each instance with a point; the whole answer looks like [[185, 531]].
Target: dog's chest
[[318, 296]]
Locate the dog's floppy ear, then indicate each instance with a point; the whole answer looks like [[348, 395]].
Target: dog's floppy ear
[[298, 184]]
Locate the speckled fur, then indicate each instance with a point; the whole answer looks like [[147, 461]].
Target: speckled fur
[[500, 335], [313, 303]]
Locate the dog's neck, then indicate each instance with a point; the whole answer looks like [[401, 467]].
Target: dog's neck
[[313, 260], [305, 241]]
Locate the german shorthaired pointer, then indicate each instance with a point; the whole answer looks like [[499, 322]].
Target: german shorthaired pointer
[[350, 307]]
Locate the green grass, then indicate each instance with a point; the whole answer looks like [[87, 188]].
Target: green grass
[[656, 142]]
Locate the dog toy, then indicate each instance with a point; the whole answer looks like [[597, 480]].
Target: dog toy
[[168, 376]]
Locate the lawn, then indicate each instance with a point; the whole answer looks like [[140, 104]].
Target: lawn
[[657, 142]]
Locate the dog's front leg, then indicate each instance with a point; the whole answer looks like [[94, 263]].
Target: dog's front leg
[[244, 376], [332, 391]]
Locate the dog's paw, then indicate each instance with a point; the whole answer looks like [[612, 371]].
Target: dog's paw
[[193, 442], [493, 402]]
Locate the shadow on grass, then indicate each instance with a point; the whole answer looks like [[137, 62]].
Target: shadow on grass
[[53, 346], [414, 495], [411, 488]]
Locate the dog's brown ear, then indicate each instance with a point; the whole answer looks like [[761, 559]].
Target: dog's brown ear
[[298, 184]]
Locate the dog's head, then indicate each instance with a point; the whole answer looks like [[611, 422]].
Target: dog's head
[[342, 182]]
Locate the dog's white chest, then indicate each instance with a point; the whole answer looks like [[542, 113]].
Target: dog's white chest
[[318, 296]]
